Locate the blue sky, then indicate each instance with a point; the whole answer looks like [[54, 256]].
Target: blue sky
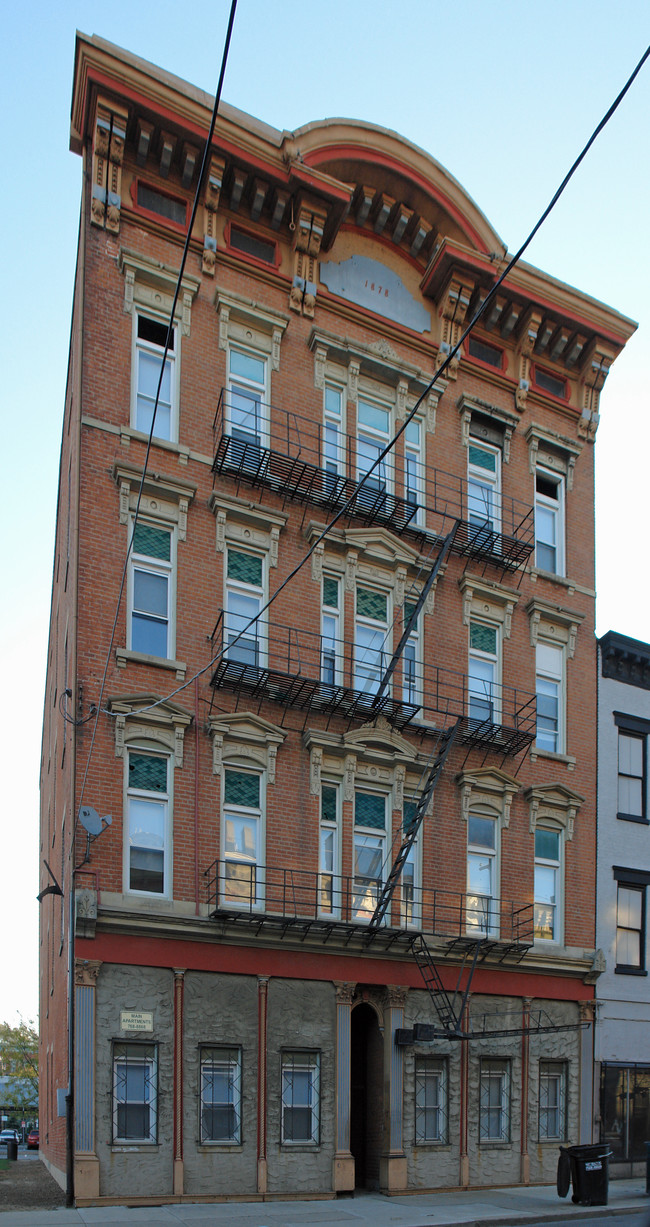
[[502, 92]]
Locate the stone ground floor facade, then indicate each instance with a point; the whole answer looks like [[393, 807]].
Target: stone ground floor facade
[[211, 1082]]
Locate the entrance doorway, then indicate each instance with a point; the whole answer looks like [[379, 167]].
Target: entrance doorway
[[366, 1096]]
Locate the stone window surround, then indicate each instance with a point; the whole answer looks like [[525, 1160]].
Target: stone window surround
[[372, 556], [488, 789], [245, 739], [373, 756], [555, 804], [483, 598], [553, 624], [240, 522], [150, 285], [136, 720], [503, 421], [550, 450], [163, 498], [245, 321], [353, 364]]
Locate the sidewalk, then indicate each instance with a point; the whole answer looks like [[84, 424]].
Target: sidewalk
[[480, 1206]]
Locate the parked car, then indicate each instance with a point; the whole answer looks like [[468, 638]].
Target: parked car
[[9, 1135], [32, 1139]]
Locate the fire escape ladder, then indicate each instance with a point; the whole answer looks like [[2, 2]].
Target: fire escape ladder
[[442, 1000], [445, 743]]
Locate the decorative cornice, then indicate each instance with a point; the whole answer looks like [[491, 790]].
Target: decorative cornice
[[625, 660], [551, 622]]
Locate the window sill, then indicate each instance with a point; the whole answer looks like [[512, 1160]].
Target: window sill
[[630, 971], [209, 1148], [432, 1145], [124, 656], [496, 1144], [568, 759], [644, 822], [125, 1148]]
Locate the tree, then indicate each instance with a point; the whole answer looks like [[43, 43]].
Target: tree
[[19, 1064]]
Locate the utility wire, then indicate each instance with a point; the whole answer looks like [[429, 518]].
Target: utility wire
[[186, 247], [348, 506]]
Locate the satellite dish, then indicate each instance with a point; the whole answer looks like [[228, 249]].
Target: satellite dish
[[91, 821]]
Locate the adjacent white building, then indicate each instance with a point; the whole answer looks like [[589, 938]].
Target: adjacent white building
[[623, 877]]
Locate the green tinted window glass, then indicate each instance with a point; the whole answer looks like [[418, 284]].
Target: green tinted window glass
[[242, 788], [547, 844], [372, 604], [328, 803], [330, 592], [370, 810], [409, 815], [147, 771], [483, 638], [245, 567], [482, 459], [154, 542], [409, 606]]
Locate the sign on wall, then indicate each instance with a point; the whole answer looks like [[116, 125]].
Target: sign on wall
[[136, 1020], [370, 284]]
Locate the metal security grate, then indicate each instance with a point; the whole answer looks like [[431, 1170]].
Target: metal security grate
[[135, 1092], [221, 1095], [300, 1096], [148, 772], [431, 1081]]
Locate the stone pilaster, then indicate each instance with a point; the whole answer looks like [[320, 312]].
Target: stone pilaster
[[392, 1167], [343, 1162], [179, 988], [86, 1162], [262, 1002]]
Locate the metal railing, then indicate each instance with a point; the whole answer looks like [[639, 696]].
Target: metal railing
[[303, 669], [284, 451], [241, 888]]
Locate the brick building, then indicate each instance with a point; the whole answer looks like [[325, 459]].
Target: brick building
[[260, 1005]]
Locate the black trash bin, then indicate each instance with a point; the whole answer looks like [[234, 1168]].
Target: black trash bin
[[12, 1149], [590, 1174]]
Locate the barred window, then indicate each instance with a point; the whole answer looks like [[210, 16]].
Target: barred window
[[431, 1092], [135, 1092], [221, 1095], [552, 1101], [301, 1097], [494, 1123]]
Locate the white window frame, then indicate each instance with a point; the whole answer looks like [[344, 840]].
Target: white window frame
[[431, 1100], [222, 1060], [371, 839], [484, 498], [301, 1062], [258, 631], [545, 506], [550, 673], [412, 677], [414, 469], [556, 866], [331, 646], [374, 628], [247, 899], [152, 350], [165, 800], [553, 1075], [250, 389], [381, 478], [138, 1055], [146, 565], [486, 691], [333, 442], [483, 917], [329, 856], [410, 893], [494, 1117]]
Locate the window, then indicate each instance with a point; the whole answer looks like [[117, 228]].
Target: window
[[373, 434], [151, 590], [484, 492], [150, 338], [135, 1092], [330, 668], [483, 673], [554, 384], [624, 1109], [547, 884], [630, 928], [147, 867], [482, 910], [221, 1095], [484, 352], [549, 522], [413, 467], [494, 1121], [412, 661], [247, 377], [333, 437], [242, 821], [328, 887], [552, 1101], [245, 583], [369, 852], [549, 663], [631, 776], [410, 913], [371, 633], [252, 245], [300, 1097], [431, 1097], [173, 208]]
